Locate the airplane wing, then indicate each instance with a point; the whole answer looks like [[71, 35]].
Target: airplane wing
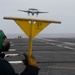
[[41, 12], [23, 10]]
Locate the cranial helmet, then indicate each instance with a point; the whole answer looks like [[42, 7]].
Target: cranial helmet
[[4, 43]]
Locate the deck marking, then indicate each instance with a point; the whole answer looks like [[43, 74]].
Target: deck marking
[[59, 45], [12, 50], [68, 47], [60, 67], [15, 62], [7, 55], [48, 40], [53, 52], [47, 43], [52, 43], [69, 43], [12, 44]]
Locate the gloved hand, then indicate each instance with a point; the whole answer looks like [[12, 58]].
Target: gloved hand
[[29, 60]]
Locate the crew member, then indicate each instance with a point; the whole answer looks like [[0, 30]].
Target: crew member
[[6, 68]]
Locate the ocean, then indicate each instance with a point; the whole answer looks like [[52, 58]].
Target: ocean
[[43, 35]]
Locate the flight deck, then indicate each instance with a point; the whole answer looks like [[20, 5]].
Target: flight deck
[[55, 56]]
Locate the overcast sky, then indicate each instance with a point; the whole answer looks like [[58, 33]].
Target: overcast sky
[[60, 10]]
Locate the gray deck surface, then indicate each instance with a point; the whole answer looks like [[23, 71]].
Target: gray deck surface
[[55, 56]]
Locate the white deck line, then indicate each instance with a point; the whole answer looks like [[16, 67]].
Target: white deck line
[[53, 52], [69, 43], [59, 45], [12, 50], [52, 43], [12, 44], [68, 47], [44, 39], [61, 67], [15, 62], [11, 55], [47, 43], [48, 40]]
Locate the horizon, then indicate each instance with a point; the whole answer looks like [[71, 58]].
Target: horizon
[[55, 35]]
